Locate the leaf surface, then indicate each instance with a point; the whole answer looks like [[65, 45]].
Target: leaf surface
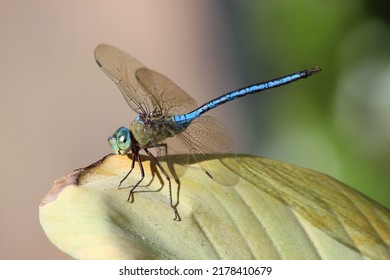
[[275, 211]]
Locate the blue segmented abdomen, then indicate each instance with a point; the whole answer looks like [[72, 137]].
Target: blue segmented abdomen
[[185, 119]]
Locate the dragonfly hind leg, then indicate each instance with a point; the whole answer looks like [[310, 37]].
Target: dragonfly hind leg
[[177, 216]]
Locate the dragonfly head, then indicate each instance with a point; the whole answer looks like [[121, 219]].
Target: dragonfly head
[[120, 142]]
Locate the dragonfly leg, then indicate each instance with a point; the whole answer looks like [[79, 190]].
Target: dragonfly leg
[[128, 173], [177, 216], [140, 180]]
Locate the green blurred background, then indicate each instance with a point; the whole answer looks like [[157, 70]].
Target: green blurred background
[[57, 107], [339, 121]]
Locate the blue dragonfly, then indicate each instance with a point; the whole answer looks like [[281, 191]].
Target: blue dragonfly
[[169, 120]]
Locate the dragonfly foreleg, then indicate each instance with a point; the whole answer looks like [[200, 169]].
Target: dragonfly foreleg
[[128, 173], [177, 216], [140, 180]]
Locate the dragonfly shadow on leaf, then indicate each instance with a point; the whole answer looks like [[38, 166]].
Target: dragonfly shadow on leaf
[[223, 167]]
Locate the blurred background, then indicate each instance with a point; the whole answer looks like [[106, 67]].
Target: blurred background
[[57, 107]]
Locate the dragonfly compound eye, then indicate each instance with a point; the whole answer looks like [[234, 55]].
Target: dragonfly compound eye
[[122, 136]]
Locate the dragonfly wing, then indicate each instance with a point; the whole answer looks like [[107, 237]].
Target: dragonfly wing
[[145, 91], [170, 98], [206, 139], [207, 135], [122, 69]]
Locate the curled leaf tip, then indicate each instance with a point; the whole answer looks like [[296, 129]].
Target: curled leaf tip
[[59, 185]]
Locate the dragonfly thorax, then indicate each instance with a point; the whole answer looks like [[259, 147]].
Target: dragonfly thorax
[[150, 130]]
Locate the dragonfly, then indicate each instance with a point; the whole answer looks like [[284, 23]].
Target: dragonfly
[[168, 119]]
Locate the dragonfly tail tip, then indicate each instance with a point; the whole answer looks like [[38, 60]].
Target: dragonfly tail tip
[[313, 70]]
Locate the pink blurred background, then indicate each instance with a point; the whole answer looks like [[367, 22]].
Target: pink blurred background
[[58, 108]]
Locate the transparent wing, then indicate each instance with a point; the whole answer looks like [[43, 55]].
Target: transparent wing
[[145, 91], [171, 99], [121, 68], [204, 138], [207, 135]]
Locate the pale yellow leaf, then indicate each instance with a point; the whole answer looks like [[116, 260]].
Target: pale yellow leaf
[[275, 211]]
